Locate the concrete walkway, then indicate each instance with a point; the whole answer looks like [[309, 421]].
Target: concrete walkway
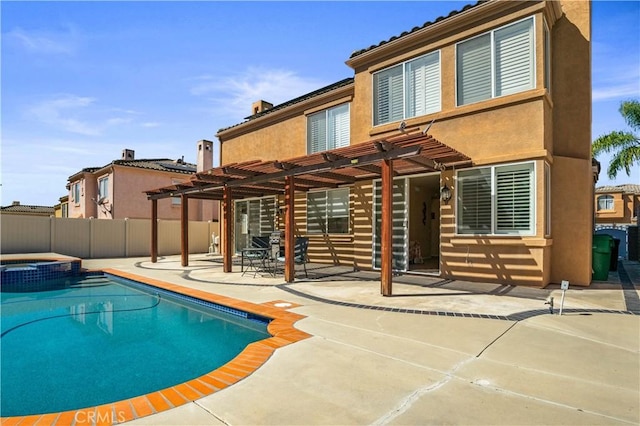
[[438, 352]]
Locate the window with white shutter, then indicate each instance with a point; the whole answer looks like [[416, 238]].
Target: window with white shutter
[[498, 63], [474, 70], [514, 199], [496, 200], [328, 129], [407, 90], [474, 204]]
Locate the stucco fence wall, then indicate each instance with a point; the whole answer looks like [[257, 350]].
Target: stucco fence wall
[[99, 238]]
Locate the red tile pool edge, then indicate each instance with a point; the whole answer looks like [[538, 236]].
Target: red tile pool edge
[[249, 360]]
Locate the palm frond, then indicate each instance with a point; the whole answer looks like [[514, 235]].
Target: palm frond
[[616, 140], [630, 111], [624, 159]]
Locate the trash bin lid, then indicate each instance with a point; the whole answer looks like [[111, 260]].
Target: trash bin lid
[[602, 242]]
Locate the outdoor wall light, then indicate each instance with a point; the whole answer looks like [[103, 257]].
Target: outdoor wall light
[[445, 194]]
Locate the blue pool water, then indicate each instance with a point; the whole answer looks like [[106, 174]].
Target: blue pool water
[[100, 339]]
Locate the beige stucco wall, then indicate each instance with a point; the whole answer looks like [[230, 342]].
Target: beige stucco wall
[[535, 125], [83, 207]]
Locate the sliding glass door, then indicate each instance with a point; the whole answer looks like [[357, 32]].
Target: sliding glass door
[[253, 218]]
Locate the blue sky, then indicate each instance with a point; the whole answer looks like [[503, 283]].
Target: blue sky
[[81, 81]]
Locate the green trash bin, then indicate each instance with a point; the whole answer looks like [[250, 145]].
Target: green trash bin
[[602, 245]]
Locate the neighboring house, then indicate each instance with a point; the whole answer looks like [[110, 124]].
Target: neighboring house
[[617, 208], [62, 208], [116, 190], [21, 209], [482, 118]]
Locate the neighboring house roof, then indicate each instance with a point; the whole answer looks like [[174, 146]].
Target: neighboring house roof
[[414, 29], [20, 208], [163, 164], [326, 89], [627, 188], [160, 164]]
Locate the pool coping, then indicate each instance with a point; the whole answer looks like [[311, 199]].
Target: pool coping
[[283, 333]]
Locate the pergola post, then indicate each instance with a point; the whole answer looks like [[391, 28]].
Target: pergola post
[[154, 230], [184, 229], [227, 229], [289, 238], [386, 264]]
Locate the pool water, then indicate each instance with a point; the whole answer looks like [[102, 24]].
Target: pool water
[[100, 339]]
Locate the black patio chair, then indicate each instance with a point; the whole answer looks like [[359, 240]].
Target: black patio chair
[[299, 253]]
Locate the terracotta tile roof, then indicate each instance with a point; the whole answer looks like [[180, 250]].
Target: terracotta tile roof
[[414, 29], [326, 89], [626, 188], [23, 208]]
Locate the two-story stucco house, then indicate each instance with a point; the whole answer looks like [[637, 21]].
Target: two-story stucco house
[[460, 148], [617, 208], [116, 190]]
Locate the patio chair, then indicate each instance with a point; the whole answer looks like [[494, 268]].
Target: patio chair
[[255, 259], [299, 253]]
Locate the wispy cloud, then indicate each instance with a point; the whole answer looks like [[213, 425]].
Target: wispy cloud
[[63, 112], [232, 96], [150, 124], [78, 114], [615, 82], [44, 42]]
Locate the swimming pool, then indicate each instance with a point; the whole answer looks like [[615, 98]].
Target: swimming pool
[[102, 338]]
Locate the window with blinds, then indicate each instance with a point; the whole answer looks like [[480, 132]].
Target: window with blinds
[[496, 200], [328, 129], [474, 204], [328, 212], [407, 90], [498, 63]]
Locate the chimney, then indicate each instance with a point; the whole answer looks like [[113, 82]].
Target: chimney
[[260, 106], [205, 155], [128, 154]]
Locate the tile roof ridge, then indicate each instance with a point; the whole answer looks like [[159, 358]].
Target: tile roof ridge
[[417, 28]]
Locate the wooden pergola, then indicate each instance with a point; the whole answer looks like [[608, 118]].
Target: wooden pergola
[[384, 158]]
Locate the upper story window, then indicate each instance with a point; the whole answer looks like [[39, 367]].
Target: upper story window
[[497, 200], [328, 129], [328, 212], [500, 62], [103, 188], [605, 202], [407, 90], [75, 192]]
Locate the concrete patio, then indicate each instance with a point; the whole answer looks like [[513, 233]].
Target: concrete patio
[[438, 352]]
